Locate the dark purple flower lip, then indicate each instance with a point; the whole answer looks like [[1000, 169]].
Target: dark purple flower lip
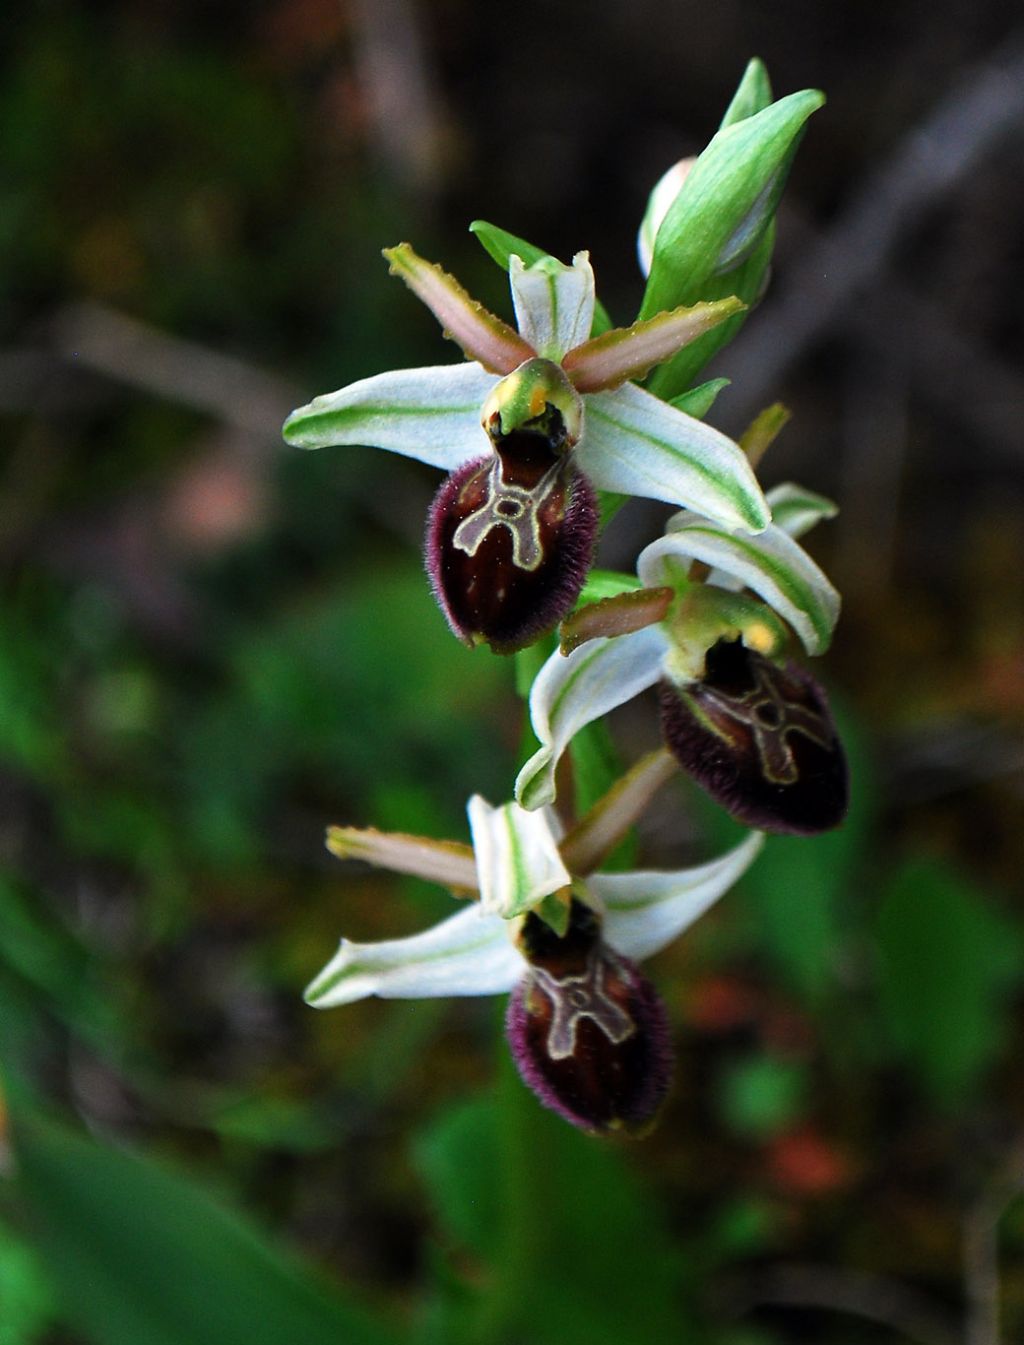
[[587, 1030], [510, 538], [761, 740]]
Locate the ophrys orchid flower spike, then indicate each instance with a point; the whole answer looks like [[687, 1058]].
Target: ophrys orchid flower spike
[[527, 428], [587, 1030]]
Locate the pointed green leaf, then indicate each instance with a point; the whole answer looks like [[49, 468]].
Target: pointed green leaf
[[698, 401], [717, 236], [144, 1256], [501, 246]]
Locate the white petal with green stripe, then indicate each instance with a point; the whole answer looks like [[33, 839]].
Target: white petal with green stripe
[[432, 415], [796, 510], [517, 858], [772, 564], [644, 912], [554, 303], [571, 692], [468, 954], [636, 444]]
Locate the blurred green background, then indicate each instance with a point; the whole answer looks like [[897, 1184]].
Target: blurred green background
[[212, 646]]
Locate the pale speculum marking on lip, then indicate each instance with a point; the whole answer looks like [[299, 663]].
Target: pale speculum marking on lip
[[515, 508], [576, 997], [771, 718]]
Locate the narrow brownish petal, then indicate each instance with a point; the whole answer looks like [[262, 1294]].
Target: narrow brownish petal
[[481, 336], [448, 863], [613, 358], [597, 833], [618, 615]]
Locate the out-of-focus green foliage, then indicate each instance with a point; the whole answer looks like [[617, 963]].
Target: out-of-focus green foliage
[[568, 1240], [763, 1096], [25, 1291], [948, 962], [145, 1257]]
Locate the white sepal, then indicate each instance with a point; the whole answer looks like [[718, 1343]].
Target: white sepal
[[636, 444], [644, 912], [570, 692], [468, 954], [796, 510], [554, 303], [517, 858], [772, 564], [432, 415]]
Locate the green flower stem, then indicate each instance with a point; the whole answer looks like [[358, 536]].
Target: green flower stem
[[505, 1306]]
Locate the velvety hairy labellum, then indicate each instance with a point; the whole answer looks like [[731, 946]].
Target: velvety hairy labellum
[[588, 1032], [760, 739], [509, 541]]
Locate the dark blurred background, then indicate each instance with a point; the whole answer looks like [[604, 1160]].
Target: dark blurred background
[[211, 645]]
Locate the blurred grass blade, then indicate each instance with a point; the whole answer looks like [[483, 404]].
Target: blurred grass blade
[[146, 1257]]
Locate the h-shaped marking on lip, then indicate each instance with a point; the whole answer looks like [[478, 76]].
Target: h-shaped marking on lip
[[575, 997], [513, 507], [772, 718]]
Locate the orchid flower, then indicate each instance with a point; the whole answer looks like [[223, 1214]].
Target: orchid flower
[[587, 1030], [755, 733], [527, 427]]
